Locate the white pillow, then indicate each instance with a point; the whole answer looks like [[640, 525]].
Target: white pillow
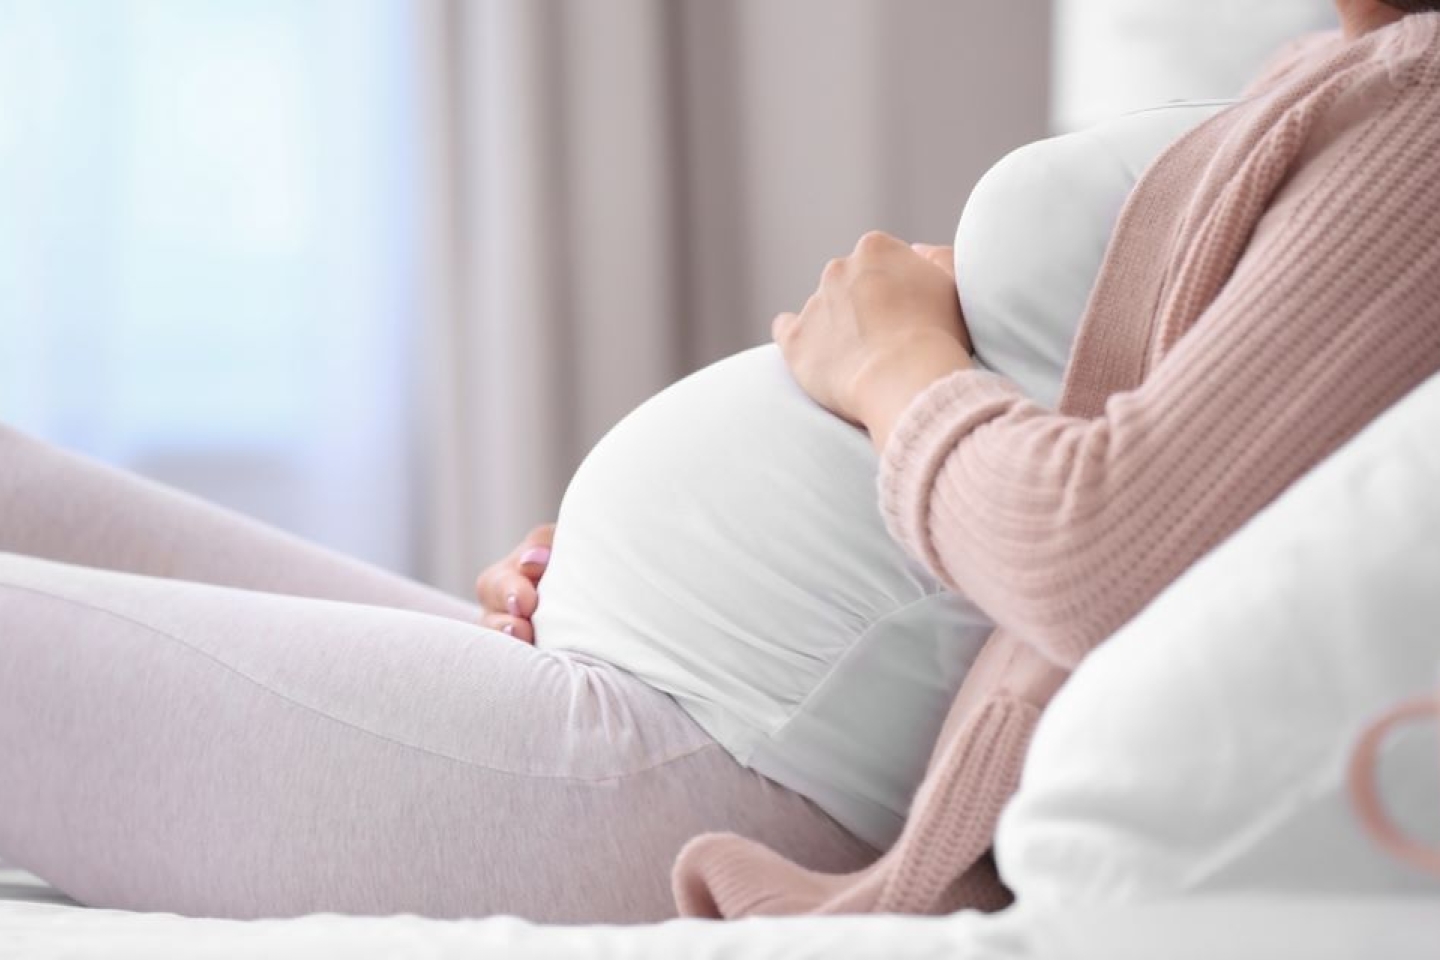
[[1203, 747]]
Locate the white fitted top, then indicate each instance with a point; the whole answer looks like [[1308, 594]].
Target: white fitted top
[[1034, 232], [724, 543]]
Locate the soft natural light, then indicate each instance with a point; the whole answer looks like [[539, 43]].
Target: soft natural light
[[207, 256]]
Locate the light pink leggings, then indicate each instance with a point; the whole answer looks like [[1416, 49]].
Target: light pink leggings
[[204, 715]]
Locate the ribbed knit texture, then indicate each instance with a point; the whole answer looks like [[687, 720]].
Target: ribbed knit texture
[[1272, 285]]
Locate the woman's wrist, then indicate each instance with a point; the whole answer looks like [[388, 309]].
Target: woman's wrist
[[894, 377]]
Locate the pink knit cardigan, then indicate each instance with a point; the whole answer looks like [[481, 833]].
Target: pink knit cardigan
[[1272, 285]]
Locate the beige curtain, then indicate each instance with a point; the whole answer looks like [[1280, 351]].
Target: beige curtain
[[626, 190]]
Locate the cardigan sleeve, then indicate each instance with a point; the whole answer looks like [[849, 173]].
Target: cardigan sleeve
[[1061, 528]]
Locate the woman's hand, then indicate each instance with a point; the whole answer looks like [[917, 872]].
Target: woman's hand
[[506, 589], [884, 324]]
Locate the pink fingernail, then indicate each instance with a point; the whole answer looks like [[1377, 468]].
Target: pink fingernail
[[536, 555], [512, 605], [508, 628]]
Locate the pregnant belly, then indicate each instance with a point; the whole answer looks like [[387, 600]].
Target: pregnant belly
[[724, 543]]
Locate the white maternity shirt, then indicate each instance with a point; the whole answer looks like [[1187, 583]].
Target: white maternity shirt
[[724, 542]]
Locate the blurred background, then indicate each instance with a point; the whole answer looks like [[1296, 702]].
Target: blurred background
[[381, 271]]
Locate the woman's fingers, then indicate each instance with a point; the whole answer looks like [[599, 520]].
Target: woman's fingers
[[942, 257], [487, 585], [533, 562], [529, 559], [541, 536], [519, 597], [504, 589], [780, 326], [533, 554], [517, 627], [509, 600]]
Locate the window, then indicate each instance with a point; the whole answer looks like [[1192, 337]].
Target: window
[[207, 249]]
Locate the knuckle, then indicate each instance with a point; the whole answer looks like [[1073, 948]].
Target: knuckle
[[485, 583], [780, 328], [873, 240], [834, 268]]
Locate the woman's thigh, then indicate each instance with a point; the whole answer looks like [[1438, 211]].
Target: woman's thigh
[[183, 747], [59, 505]]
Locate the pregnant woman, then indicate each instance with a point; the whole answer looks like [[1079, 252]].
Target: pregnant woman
[[816, 698]]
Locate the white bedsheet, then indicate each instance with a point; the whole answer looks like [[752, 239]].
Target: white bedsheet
[[34, 927]]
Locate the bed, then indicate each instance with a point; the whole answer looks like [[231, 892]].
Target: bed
[[39, 923]]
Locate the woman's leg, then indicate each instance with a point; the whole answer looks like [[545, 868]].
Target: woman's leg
[[174, 746], [61, 506]]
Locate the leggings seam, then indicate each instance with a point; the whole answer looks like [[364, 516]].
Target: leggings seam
[[347, 723]]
